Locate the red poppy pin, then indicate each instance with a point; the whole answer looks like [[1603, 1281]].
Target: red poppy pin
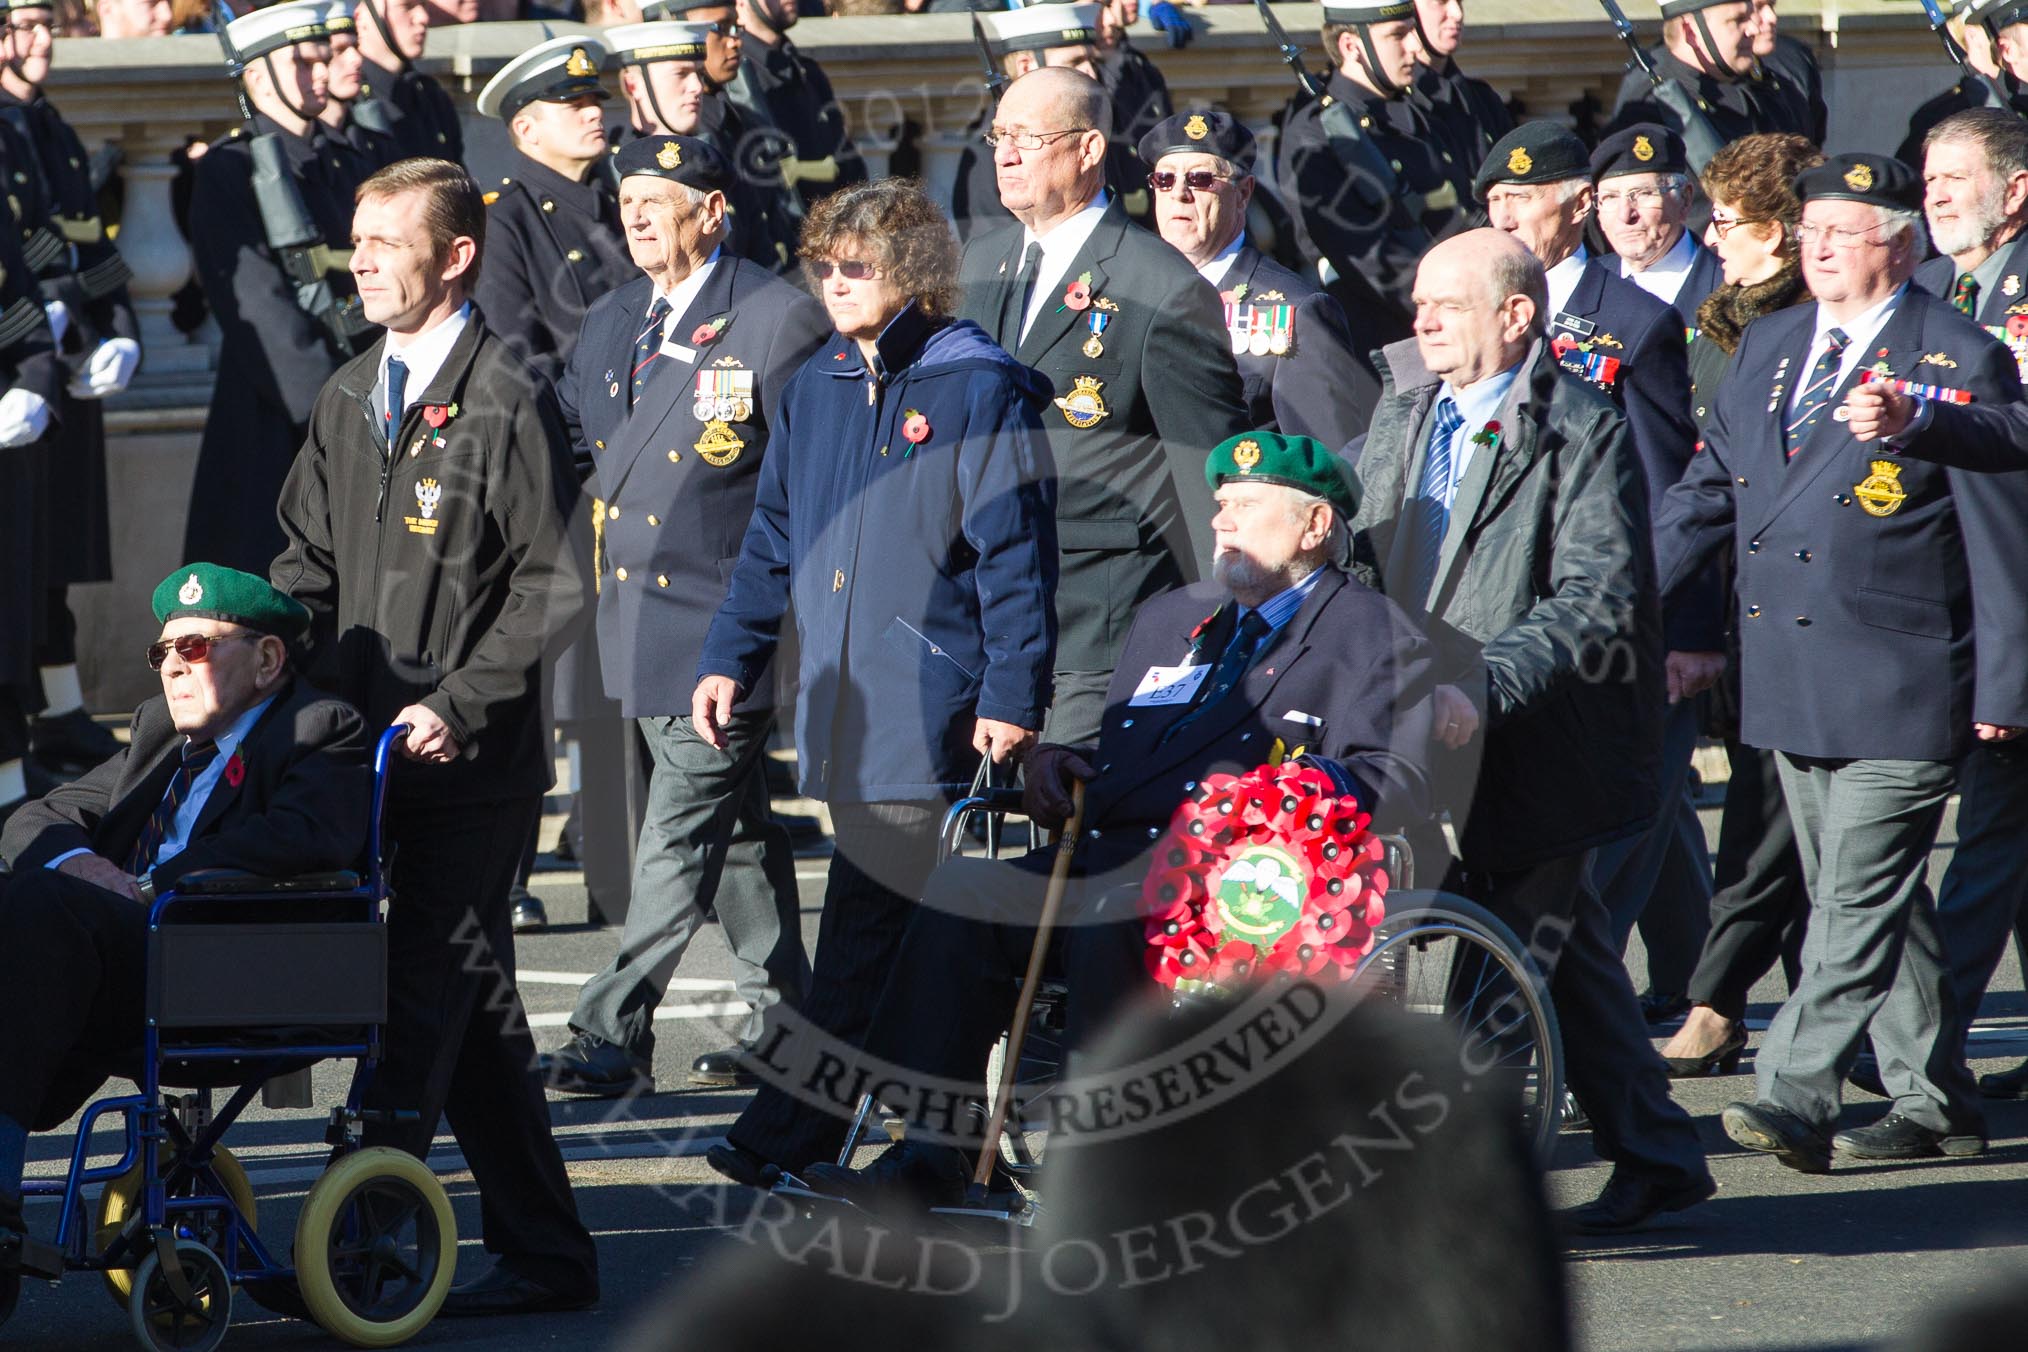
[[2017, 326], [1489, 435], [915, 428], [1562, 345], [707, 333], [436, 415], [1077, 296], [235, 770]]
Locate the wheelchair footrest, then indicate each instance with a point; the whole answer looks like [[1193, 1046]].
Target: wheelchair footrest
[[25, 1253]]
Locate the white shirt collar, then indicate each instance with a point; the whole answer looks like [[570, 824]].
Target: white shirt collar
[[1214, 271], [1563, 279], [684, 293], [423, 355], [1860, 332], [1060, 247], [1663, 278]]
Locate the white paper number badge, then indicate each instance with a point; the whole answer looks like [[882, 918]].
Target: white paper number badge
[[1168, 685]]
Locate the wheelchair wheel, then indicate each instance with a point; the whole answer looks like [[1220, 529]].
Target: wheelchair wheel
[[1449, 958], [375, 1248], [122, 1200], [192, 1319]]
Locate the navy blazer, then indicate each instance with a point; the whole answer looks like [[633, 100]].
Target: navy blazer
[[1321, 387], [674, 489], [1614, 318], [1997, 303], [1864, 578], [1347, 678], [1705, 276], [910, 513]]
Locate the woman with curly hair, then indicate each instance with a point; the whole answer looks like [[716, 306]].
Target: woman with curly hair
[[907, 507], [1759, 903]]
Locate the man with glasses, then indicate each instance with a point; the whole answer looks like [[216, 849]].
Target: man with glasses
[[1289, 338], [1367, 228], [419, 114], [1132, 344], [671, 395], [1643, 194], [84, 288], [237, 764], [1881, 620], [1018, 41]]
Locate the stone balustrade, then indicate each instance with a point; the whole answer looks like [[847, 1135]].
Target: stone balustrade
[[910, 88]]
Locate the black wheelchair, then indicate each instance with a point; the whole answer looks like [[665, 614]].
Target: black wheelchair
[[1434, 955], [252, 980]]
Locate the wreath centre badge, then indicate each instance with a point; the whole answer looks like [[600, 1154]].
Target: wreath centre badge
[[1260, 894]]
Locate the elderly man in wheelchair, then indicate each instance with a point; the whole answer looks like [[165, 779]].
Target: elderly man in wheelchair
[[1282, 652], [239, 773]]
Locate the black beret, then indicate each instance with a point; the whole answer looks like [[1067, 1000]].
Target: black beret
[[1534, 152], [680, 159], [1880, 179], [1200, 133], [1644, 148]]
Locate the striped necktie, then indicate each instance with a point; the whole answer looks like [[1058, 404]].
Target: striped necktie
[[196, 755], [1816, 394], [1966, 297], [1432, 499], [647, 346]]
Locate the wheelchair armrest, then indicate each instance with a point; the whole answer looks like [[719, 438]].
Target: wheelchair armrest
[[232, 882]]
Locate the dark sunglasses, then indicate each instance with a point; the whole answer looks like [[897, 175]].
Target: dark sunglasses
[[191, 648], [1197, 180], [851, 269]]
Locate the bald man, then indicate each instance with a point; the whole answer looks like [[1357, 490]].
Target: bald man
[[1133, 343], [1485, 471]]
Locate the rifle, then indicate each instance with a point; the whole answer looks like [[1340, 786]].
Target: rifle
[[1939, 24], [286, 223], [1700, 139], [996, 78]]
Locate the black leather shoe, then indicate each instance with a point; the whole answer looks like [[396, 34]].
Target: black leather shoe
[[1664, 1006], [1865, 1076], [2007, 1084], [1720, 1060], [1776, 1131], [1573, 1117], [501, 1292], [1895, 1137], [592, 1066], [724, 1070], [905, 1176], [1630, 1201], [743, 1166], [71, 742], [529, 915]]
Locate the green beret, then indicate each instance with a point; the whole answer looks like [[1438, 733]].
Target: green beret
[[1294, 462], [213, 592]]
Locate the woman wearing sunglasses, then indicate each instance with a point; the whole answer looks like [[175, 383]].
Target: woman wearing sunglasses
[[907, 508]]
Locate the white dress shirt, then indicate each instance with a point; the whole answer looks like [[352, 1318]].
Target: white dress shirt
[[1060, 248], [1563, 280], [1860, 331], [1663, 279], [423, 354], [680, 297], [1216, 270]]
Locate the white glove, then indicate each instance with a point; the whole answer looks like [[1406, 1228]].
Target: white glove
[[108, 370], [59, 318], [24, 416]]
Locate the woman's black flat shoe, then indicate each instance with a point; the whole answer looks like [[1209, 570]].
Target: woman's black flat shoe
[[1720, 1060]]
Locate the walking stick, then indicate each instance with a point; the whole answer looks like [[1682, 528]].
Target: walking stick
[[1052, 902]]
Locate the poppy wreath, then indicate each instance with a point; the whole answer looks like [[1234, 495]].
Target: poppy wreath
[[1269, 871]]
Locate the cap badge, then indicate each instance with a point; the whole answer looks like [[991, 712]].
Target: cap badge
[[1644, 149], [1519, 161], [1246, 455], [1196, 128], [669, 156], [191, 592], [579, 64], [1859, 177]]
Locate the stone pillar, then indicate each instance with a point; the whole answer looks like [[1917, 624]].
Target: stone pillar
[[175, 369]]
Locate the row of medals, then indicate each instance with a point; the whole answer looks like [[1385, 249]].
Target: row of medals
[[1259, 342], [725, 410]]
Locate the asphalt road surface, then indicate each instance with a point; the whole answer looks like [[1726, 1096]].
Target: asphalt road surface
[[1777, 1261]]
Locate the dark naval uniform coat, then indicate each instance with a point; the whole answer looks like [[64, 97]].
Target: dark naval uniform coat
[[90, 278], [419, 114], [1466, 111], [27, 361], [1129, 427], [1731, 105], [1704, 276], [1864, 577], [1320, 388], [671, 515], [1992, 308], [1611, 319], [273, 356], [780, 87], [1375, 263]]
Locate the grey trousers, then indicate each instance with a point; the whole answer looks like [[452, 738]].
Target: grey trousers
[[1980, 901], [1661, 878], [1864, 830], [708, 838]]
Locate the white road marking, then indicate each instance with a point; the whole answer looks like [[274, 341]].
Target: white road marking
[[712, 1011], [681, 983]]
